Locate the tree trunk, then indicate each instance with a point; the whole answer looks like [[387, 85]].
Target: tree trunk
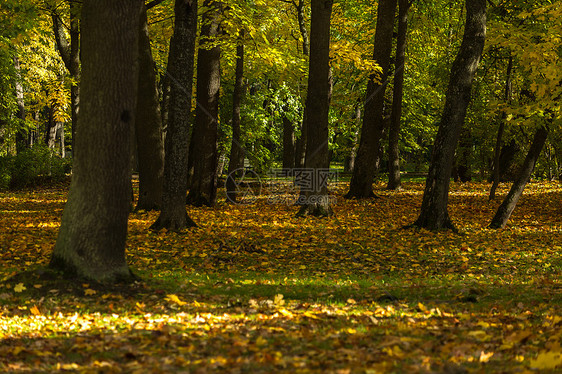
[[91, 240], [361, 185], [288, 144], [203, 189], [75, 9], [317, 164], [173, 215], [434, 214], [236, 161], [70, 54], [508, 205], [496, 169], [394, 132], [148, 127], [22, 138], [350, 160], [300, 143]]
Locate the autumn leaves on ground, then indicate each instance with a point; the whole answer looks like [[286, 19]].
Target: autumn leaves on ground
[[255, 289]]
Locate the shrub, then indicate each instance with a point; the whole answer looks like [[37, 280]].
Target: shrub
[[36, 165]]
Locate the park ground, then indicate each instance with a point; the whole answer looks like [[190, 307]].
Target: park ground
[[253, 289]]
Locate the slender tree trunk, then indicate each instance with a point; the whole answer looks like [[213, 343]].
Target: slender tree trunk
[[361, 185], [148, 127], [70, 54], [165, 87], [508, 205], [173, 215], [203, 189], [91, 240], [434, 214], [288, 143], [75, 9], [394, 132], [236, 161], [497, 151], [350, 160], [300, 143], [22, 138], [317, 201]]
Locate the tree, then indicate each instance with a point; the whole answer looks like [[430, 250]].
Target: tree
[[203, 189], [399, 62], [361, 185], [434, 214], [148, 126], [91, 239], [508, 205], [70, 54], [300, 143], [317, 162], [497, 149], [173, 215], [236, 160]]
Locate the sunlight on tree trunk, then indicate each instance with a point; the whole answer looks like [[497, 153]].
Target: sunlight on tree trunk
[[91, 240], [434, 214]]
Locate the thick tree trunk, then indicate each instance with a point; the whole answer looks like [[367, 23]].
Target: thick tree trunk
[[236, 161], [91, 240], [173, 215], [361, 185], [434, 214], [394, 132], [148, 127], [508, 205], [203, 189], [497, 150], [317, 201]]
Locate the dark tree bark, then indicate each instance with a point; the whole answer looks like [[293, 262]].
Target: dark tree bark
[[236, 161], [497, 150], [361, 185], [148, 127], [91, 239], [434, 214], [302, 28], [462, 165], [203, 189], [394, 131], [288, 143], [173, 215], [508, 205], [317, 201]]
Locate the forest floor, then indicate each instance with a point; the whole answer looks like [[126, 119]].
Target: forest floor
[[254, 289]]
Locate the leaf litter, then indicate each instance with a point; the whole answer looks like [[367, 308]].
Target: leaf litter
[[255, 289]]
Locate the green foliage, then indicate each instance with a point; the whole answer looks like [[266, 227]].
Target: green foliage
[[31, 167]]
